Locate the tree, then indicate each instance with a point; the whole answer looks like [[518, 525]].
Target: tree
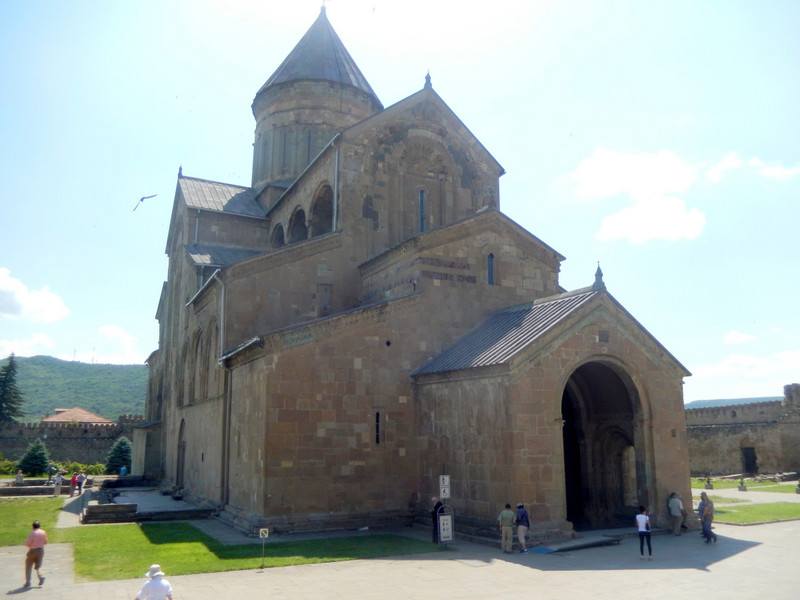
[[10, 395], [36, 460], [118, 456]]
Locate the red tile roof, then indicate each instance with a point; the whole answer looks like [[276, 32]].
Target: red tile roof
[[75, 415]]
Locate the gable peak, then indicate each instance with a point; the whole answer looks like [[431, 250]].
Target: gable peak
[[598, 285]]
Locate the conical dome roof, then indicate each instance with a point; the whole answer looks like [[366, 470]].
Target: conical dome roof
[[320, 55]]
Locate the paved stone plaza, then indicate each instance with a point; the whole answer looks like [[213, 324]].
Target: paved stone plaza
[[747, 562]]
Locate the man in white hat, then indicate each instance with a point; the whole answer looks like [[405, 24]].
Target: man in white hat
[[157, 588]]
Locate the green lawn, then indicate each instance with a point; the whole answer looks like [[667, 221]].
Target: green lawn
[[785, 488], [752, 485], [757, 513], [107, 552], [17, 514], [722, 499]]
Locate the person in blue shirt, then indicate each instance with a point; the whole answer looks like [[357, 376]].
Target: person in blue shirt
[[523, 525]]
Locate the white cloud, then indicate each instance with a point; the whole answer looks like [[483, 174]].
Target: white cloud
[[773, 172], [651, 182], [743, 376], [641, 176], [18, 302], [749, 366], [662, 219], [111, 346], [730, 162], [38, 344], [737, 337]]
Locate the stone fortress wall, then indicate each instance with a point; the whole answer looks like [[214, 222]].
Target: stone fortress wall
[[79, 442], [762, 437]]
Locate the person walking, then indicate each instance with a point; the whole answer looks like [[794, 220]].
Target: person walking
[[20, 479], [73, 484], [643, 524], [57, 483], [156, 587], [676, 512], [506, 520], [81, 479], [35, 542], [523, 525], [707, 517]]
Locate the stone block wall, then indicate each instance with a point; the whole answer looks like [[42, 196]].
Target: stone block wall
[[769, 432], [736, 414], [79, 442]]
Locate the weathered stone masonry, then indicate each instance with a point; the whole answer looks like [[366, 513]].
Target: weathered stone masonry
[[763, 437]]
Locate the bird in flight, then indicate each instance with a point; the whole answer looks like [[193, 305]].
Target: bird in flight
[[142, 199]]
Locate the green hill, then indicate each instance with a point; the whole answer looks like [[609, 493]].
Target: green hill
[[48, 383], [729, 402]]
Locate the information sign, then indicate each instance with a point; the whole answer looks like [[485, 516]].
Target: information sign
[[446, 528], [444, 486]]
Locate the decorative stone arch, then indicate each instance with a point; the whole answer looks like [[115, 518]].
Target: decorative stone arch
[[212, 369], [182, 378], [180, 455], [277, 239], [155, 410], [194, 368], [298, 229], [422, 175], [605, 457], [321, 211]]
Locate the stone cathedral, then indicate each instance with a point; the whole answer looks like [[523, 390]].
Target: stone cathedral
[[364, 318]]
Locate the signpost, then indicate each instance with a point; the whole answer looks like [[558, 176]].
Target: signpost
[[445, 527], [444, 486], [445, 515], [263, 533]]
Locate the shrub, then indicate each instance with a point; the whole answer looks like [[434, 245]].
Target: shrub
[[118, 456], [35, 461], [71, 467], [8, 467]]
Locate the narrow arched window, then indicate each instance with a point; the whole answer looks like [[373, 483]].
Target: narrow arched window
[[422, 211], [377, 428], [490, 269]]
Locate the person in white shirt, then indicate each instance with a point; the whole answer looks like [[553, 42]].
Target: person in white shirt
[[157, 587], [643, 523]]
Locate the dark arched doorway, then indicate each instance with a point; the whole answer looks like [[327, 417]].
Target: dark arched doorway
[[598, 407]]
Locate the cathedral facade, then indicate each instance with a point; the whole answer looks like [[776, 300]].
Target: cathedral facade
[[363, 318]]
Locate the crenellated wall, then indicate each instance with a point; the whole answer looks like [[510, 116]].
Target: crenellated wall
[[737, 414], [79, 442], [733, 439]]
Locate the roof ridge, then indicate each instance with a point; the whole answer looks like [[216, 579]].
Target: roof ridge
[[539, 301], [243, 187]]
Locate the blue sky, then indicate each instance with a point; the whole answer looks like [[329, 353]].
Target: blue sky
[[660, 139]]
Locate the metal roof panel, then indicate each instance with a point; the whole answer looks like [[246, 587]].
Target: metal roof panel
[[220, 197], [505, 333], [217, 256]]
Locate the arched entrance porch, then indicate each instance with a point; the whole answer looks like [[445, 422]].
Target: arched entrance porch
[[603, 449]]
